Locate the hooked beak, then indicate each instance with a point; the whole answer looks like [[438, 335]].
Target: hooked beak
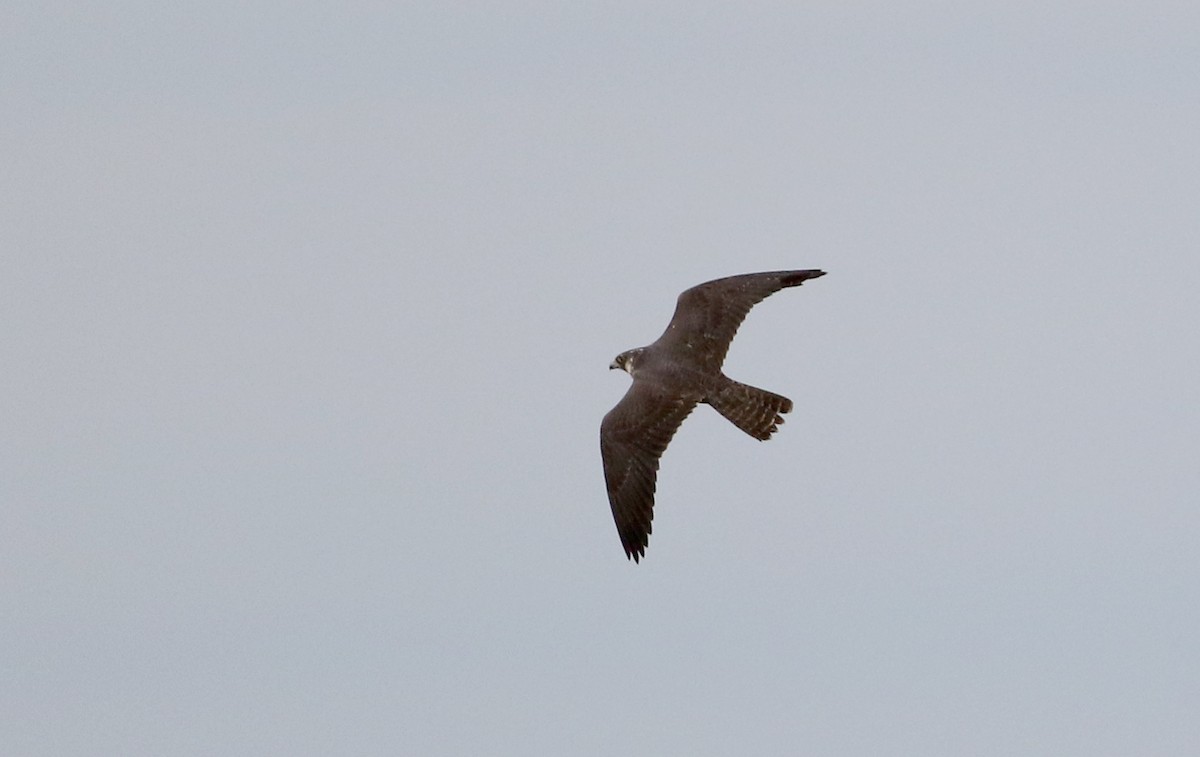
[[613, 365]]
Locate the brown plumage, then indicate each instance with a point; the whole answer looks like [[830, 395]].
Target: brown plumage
[[670, 377]]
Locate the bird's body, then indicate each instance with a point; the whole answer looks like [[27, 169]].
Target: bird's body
[[681, 369]]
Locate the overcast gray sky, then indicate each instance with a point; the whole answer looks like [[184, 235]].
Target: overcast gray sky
[[305, 318]]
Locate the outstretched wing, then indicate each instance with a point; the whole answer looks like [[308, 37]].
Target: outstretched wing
[[708, 315], [633, 437]]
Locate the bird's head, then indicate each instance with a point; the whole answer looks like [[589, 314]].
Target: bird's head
[[625, 360]]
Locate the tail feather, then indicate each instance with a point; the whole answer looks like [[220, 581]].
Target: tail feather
[[755, 411]]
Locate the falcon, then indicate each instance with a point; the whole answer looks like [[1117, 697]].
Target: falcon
[[670, 377]]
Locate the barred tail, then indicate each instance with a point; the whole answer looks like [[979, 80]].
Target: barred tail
[[755, 411]]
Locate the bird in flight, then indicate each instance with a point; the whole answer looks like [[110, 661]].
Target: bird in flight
[[670, 377]]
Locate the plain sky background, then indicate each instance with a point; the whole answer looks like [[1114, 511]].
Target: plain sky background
[[305, 317]]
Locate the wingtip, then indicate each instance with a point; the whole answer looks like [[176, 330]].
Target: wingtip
[[634, 550], [796, 278]]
